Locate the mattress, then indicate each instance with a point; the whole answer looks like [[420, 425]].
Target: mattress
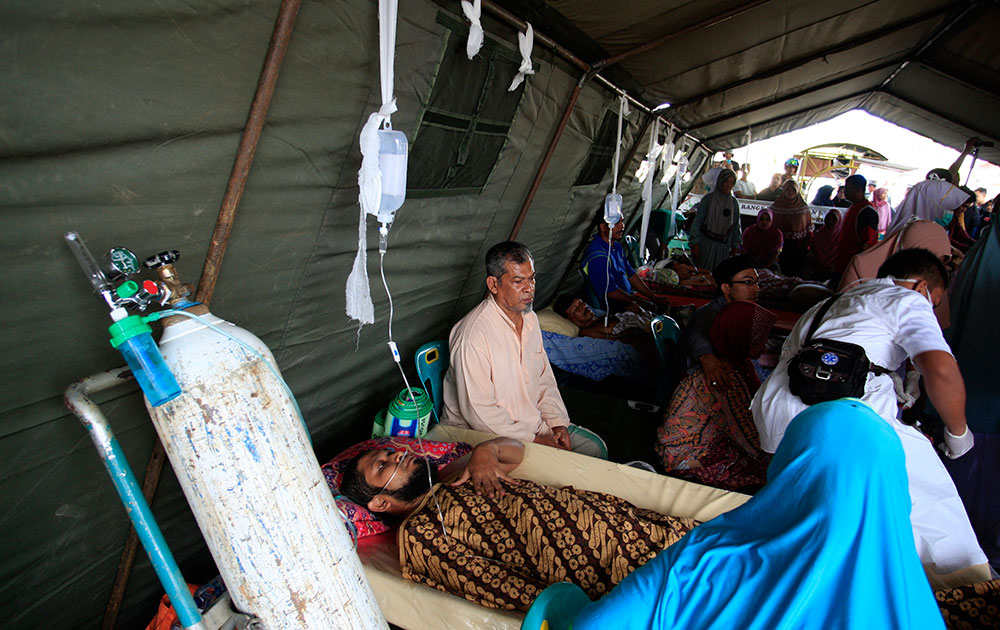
[[417, 607]]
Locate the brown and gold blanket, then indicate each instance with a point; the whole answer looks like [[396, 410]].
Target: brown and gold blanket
[[972, 607], [502, 552]]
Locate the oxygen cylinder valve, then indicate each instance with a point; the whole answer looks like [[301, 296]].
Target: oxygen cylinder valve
[[163, 264]]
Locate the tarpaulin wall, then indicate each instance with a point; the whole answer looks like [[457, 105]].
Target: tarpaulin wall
[[120, 120]]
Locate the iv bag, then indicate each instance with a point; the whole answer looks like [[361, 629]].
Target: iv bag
[[612, 208], [392, 149]]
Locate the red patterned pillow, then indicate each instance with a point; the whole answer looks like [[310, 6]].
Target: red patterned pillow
[[366, 522]]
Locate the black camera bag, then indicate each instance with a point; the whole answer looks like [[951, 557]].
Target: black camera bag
[[825, 369]]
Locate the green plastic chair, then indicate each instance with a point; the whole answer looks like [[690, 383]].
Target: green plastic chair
[[432, 361], [633, 251], [666, 334], [555, 607], [594, 301]]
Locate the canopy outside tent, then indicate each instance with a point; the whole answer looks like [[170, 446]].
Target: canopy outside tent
[[121, 121]]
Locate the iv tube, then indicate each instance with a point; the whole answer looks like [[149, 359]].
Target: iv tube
[[392, 344], [613, 206]]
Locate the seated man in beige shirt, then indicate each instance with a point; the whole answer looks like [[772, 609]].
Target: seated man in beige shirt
[[500, 380]]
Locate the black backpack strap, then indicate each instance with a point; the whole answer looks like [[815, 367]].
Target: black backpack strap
[[819, 317]]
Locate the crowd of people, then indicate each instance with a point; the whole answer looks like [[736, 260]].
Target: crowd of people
[[784, 238], [867, 458]]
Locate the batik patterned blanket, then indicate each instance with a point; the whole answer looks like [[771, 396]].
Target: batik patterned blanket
[[501, 552]]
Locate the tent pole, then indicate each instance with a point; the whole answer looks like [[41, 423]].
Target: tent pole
[[280, 37], [560, 128], [248, 147]]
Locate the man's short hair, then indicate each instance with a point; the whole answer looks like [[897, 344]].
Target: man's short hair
[[916, 263], [562, 303], [353, 484], [856, 181], [982, 190], [502, 253], [942, 174], [728, 268]]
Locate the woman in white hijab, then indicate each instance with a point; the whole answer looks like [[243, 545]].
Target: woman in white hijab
[[931, 200], [715, 231]]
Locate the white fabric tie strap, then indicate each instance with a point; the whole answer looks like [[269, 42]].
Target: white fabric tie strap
[[647, 189], [473, 10], [525, 42], [358, 299], [666, 159], [622, 113]]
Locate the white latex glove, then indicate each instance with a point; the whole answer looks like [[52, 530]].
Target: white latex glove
[[912, 386], [957, 445], [903, 396]]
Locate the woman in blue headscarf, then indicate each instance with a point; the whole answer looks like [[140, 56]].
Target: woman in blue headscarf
[[827, 543]]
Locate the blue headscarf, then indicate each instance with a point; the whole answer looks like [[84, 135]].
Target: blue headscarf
[[827, 543]]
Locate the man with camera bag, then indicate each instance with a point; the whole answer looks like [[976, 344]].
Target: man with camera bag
[[879, 325]]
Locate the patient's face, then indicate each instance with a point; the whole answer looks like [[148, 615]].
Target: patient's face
[[580, 314], [397, 473]]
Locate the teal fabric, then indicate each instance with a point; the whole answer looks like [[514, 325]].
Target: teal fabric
[[599, 448], [974, 336], [432, 360], [826, 544]]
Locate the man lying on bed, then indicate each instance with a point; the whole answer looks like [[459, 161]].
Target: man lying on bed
[[499, 541]]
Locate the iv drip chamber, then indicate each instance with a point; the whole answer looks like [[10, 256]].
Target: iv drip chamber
[[392, 154]]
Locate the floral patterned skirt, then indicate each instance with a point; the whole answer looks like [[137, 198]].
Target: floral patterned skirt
[[710, 437]]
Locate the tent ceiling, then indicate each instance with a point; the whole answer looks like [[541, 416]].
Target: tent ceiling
[[777, 65]]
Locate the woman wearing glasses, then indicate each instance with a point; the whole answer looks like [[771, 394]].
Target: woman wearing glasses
[[708, 434]]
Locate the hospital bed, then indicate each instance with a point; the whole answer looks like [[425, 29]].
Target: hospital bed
[[418, 607]]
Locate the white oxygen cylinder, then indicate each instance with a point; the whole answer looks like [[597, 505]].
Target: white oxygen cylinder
[[248, 471]]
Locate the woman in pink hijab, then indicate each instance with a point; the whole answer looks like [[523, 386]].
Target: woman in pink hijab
[[915, 234], [880, 201], [824, 244]]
